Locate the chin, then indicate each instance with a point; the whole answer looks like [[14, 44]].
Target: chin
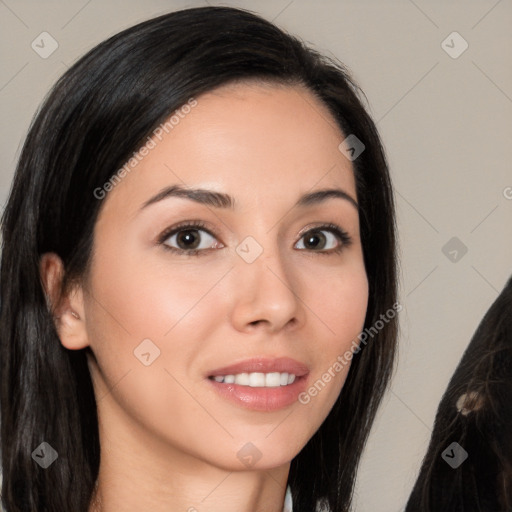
[[256, 455]]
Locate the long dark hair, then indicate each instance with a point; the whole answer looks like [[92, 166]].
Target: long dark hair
[[468, 464], [97, 114]]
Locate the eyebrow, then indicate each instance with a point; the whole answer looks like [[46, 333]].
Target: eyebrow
[[221, 200]]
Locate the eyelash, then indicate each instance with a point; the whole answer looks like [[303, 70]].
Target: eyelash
[[343, 236]]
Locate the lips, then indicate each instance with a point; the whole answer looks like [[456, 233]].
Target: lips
[[258, 384]]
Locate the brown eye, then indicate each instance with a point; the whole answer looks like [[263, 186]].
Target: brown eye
[[325, 239], [189, 239], [315, 239]]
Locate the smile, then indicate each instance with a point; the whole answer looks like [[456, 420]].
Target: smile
[[260, 384], [257, 379]]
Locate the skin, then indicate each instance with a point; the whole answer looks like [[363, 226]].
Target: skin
[[168, 441]]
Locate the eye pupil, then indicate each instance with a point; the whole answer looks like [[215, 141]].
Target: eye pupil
[[310, 240], [187, 236]]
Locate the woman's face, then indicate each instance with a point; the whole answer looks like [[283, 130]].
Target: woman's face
[[165, 311]]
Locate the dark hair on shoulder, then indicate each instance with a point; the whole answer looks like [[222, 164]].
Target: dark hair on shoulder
[[98, 113], [475, 412]]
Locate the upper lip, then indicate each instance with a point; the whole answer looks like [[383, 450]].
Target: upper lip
[[263, 365]]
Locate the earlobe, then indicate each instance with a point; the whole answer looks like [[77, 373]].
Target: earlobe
[[71, 330], [74, 313], [67, 310]]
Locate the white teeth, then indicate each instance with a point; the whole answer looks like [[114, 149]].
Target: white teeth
[[273, 380], [242, 379], [258, 379]]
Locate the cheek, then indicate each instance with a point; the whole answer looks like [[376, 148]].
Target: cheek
[[151, 312], [165, 311], [149, 297], [341, 306], [342, 310], [351, 306]]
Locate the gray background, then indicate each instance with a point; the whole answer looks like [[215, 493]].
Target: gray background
[[446, 125]]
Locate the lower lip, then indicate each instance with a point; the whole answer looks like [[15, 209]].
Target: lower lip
[[261, 399]]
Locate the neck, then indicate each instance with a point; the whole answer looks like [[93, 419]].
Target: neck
[[230, 492]]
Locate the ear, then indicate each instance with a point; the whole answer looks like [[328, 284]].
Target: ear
[[67, 310]]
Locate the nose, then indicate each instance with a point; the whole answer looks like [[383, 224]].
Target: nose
[[266, 295]]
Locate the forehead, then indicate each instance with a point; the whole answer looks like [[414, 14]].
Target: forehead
[[255, 141]]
